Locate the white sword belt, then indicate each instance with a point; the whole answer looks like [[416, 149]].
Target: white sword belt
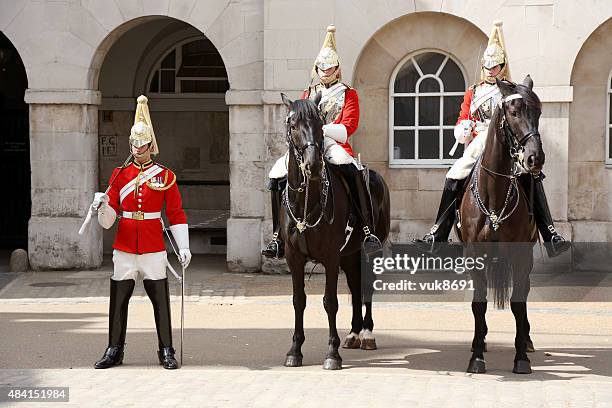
[[139, 215]]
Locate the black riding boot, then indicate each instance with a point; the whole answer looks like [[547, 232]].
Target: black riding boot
[[444, 220], [276, 247], [357, 183], [158, 292], [120, 293], [554, 243]]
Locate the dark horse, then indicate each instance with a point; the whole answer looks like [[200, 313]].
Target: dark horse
[[316, 211], [495, 210]]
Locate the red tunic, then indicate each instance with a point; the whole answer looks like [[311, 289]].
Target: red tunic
[[465, 114], [144, 236], [349, 115]]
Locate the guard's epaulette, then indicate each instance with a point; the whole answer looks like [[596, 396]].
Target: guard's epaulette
[[347, 85]]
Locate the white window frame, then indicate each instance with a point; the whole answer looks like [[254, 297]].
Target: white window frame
[[608, 160], [421, 163], [178, 47]]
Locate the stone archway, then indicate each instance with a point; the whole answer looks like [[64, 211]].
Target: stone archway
[[414, 191], [590, 180], [14, 149], [174, 65]]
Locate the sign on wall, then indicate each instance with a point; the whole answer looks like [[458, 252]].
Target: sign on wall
[[108, 146]]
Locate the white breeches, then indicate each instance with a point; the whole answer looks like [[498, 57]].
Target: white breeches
[[128, 266], [334, 153], [462, 167]]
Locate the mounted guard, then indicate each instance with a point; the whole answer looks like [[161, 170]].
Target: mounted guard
[[137, 193], [339, 109], [471, 129]]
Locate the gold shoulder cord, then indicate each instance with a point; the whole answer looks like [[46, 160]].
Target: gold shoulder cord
[[166, 185]]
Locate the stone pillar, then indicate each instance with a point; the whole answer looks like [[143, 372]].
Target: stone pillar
[[64, 161], [247, 181]]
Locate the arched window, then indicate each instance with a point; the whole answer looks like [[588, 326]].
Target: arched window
[[425, 96], [192, 67], [609, 123]]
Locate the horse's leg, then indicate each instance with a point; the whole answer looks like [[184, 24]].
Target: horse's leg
[[351, 266], [477, 363], [333, 361], [296, 263], [518, 304]]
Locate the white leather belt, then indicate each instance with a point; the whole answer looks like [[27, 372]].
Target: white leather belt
[[139, 215]]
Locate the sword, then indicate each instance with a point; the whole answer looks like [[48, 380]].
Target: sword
[[91, 209], [478, 68]]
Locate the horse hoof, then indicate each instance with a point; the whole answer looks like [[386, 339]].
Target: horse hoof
[[351, 343], [477, 366], [522, 367], [485, 348], [331, 364], [368, 344], [530, 348], [293, 361]]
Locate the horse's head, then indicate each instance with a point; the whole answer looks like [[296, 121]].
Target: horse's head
[[305, 134], [521, 109]]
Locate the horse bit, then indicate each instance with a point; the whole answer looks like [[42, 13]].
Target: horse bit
[[302, 224], [517, 149]]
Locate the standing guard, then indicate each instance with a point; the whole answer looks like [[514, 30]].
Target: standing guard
[[339, 108], [471, 129], [136, 195]]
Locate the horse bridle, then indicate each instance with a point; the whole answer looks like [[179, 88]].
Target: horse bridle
[[302, 224], [516, 144]]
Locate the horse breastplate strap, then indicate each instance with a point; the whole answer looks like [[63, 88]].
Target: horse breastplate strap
[[332, 101], [486, 96]]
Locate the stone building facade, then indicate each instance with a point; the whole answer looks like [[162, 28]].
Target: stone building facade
[[87, 60]]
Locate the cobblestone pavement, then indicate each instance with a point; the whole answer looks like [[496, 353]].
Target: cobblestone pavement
[[53, 327]]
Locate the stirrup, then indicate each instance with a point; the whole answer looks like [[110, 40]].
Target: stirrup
[[370, 244], [275, 248], [556, 246]]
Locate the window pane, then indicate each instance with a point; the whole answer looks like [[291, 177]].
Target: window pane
[[429, 62], [449, 141], [155, 83], [610, 145], [202, 60], [610, 117], [170, 60], [429, 110], [452, 77], [194, 86], [200, 72], [406, 78], [452, 106], [167, 80], [403, 111], [429, 144], [429, 85], [403, 144]]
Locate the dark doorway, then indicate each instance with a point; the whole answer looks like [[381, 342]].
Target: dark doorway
[[16, 202]]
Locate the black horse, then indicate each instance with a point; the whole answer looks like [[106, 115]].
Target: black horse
[[316, 212], [496, 216]]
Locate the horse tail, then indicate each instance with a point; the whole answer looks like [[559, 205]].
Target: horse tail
[[499, 274]]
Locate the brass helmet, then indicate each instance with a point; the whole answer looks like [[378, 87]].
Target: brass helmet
[[142, 132], [328, 57], [495, 54]]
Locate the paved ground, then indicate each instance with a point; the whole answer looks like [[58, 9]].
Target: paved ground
[[53, 327]]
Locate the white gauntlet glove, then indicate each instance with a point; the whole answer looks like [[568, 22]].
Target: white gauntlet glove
[[99, 198], [463, 131], [180, 232], [106, 213], [335, 131]]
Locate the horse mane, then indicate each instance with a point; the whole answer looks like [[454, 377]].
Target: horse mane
[[304, 109]]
